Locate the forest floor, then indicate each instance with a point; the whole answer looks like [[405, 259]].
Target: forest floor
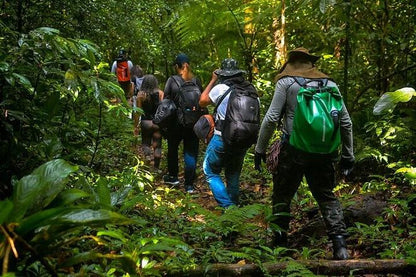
[[252, 191], [307, 229]]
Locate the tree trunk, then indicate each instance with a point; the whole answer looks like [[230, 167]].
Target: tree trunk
[[279, 36], [347, 50], [322, 267]]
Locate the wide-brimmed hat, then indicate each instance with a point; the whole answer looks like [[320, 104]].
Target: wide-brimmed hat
[[229, 67], [301, 52], [180, 59]]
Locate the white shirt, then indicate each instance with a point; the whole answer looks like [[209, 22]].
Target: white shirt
[[215, 94]]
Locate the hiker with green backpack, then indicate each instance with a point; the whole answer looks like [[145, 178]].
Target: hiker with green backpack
[[315, 123]]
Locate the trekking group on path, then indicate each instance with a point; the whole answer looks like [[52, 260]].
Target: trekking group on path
[[307, 107]]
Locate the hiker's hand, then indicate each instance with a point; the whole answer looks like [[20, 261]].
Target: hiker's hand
[[346, 166], [258, 157], [214, 76]]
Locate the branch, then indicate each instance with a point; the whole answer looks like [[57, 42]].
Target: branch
[[240, 29], [97, 139]]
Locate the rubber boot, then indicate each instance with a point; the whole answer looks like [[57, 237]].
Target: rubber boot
[[280, 239], [339, 247]]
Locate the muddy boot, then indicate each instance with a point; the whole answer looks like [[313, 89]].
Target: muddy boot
[[339, 247]]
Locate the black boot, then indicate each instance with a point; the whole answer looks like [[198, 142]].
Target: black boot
[[280, 239], [340, 247]]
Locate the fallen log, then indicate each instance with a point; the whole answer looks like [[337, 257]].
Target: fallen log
[[322, 267]]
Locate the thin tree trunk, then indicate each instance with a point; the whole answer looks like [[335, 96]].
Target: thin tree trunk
[[279, 36], [347, 50]]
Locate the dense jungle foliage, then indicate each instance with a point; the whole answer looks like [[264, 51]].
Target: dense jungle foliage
[[78, 199]]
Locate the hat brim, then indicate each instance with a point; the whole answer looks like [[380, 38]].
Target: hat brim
[[228, 73], [293, 55]]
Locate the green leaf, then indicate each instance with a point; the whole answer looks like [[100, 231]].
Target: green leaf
[[409, 172], [69, 196], [23, 81], [151, 248], [113, 234], [4, 66], [35, 191], [42, 218], [92, 217], [103, 193], [6, 207], [127, 263], [87, 256], [390, 99], [47, 30]]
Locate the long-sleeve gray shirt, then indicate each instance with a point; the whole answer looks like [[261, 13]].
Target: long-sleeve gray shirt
[[283, 106]]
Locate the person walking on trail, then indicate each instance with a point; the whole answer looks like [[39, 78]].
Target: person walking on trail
[[148, 99], [177, 86], [122, 67], [136, 83], [218, 155], [293, 163]]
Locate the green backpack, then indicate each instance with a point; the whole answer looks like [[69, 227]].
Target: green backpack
[[316, 125]]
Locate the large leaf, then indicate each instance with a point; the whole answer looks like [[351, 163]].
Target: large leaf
[[39, 219], [6, 207], [94, 217], [35, 191], [103, 193], [390, 99], [69, 196]]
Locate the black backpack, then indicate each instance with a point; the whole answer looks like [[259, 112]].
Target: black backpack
[[188, 110], [241, 124], [165, 115]]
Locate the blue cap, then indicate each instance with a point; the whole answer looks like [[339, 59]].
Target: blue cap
[[181, 59]]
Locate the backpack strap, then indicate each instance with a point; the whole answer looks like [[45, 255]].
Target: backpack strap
[[178, 83], [218, 123], [302, 81], [222, 98]]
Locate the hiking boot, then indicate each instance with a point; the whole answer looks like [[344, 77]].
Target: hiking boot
[[280, 239], [171, 180], [339, 247], [190, 189]]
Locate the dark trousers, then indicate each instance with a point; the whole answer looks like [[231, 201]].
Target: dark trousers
[[190, 152], [126, 86], [320, 176], [151, 138]]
